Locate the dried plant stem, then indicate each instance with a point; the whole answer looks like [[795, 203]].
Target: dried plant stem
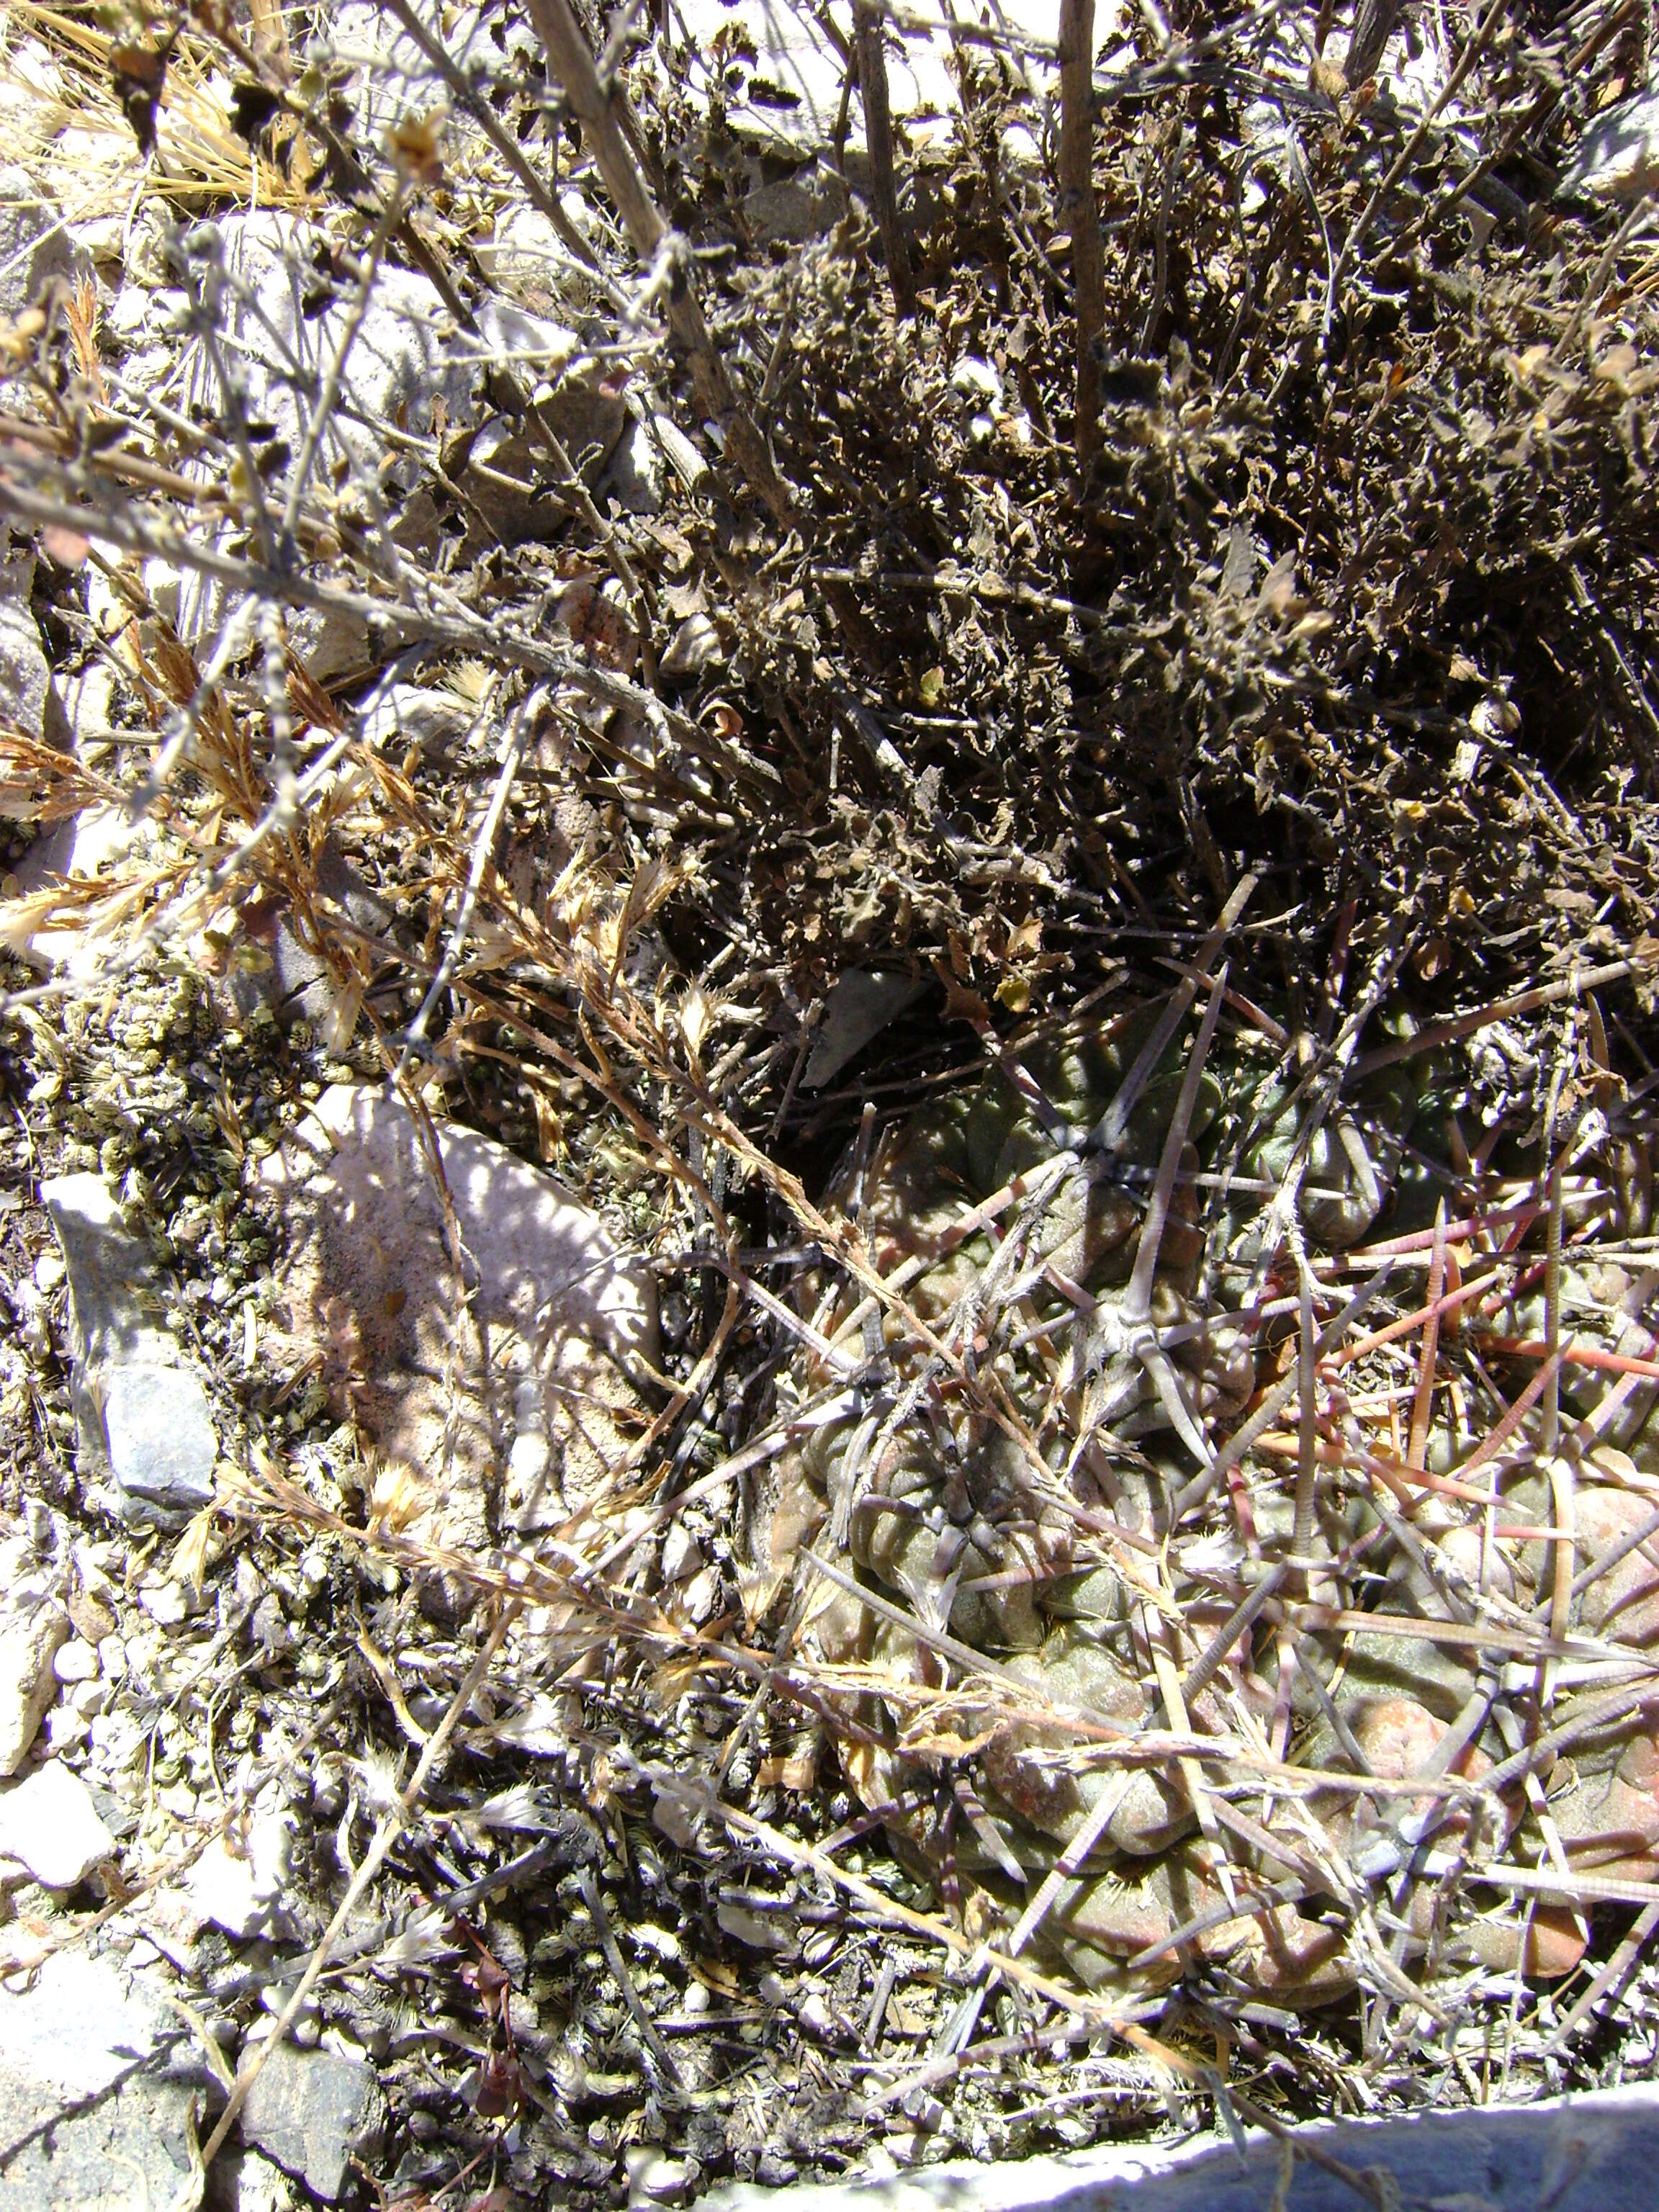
[[1423, 1404], [1373, 27], [1080, 214], [484, 116], [571, 62], [878, 131]]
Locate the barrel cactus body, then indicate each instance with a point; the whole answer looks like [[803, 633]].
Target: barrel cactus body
[[1012, 1580]]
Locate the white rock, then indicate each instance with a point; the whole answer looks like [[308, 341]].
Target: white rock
[[36, 246], [75, 1662], [143, 1417], [637, 478], [681, 1557], [100, 239], [654, 2178], [398, 715], [974, 380], [646, 454], [1618, 154], [130, 312], [528, 341], [30, 1635], [161, 1444], [77, 2029], [519, 255], [695, 645], [167, 1603], [67, 1729], [556, 1303], [240, 1890], [49, 1821]]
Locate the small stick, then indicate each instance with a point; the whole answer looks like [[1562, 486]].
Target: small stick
[[868, 21], [1612, 1976], [1080, 214], [1423, 1407], [1499, 1010], [571, 60], [624, 1980], [1307, 1462]]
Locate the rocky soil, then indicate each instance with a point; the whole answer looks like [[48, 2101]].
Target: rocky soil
[[828, 1044]]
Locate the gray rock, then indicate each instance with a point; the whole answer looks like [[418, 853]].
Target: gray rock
[[693, 647], [398, 715], [1618, 154], [30, 1633], [161, 1442], [83, 2120], [271, 965], [34, 246], [637, 478], [143, 1417], [49, 1822], [859, 1008], [1585, 2153], [314, 2112], [25, 678]]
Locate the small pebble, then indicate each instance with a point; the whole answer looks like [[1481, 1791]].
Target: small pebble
[[49, 1821], [75, 1662], [653, 2177]]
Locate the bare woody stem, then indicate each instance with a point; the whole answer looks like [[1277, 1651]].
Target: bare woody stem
[[1373, 27], [571, 62], [1080, 215], [867, 18]]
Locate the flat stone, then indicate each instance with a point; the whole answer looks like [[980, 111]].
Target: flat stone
[[240, 1890], [30, 1635], [1618, 154], [694, 647], [83, 2120], [271, 965], [1591, 2153], [314, 2112], [25, 676], [35, 245], [543, 1403], [860, 1006], [395, 716], [143, 1417], [161, 1442], [49, 1822]]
